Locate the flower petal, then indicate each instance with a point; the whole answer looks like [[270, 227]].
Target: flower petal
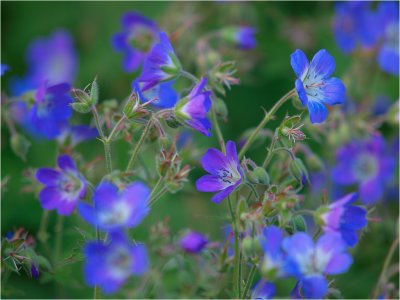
[[301, 92], [299, 63], [209, 183], [317, 111], [314, 287], [65, 162], [48, 176], [322, 65], [371, 191], [50, 197], [140, 259], [217, 198], [338, 264], [333, 91], [213, 161]]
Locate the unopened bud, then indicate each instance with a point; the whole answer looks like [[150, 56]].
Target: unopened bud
[[298, 171], [20, 145]]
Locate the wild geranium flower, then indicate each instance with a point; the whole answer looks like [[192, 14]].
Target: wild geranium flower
[[263, 290], [192, 110], [110, 264], [77, 134], [164, 93], [388, 55], [136, 38], [271, 241], [355, 24], [309, 262], [225, 173], [114, 208], [193, 242], [161, 64], [63, 187], [50, 111], [52, 60], [344, 218], [314, 85], [366, 163]]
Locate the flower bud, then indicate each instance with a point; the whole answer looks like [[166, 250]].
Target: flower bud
[[20, 145], [220, 108], [82, 108], [248, 246], [298, 171], [299, 224], [94, 93], [133, 108]]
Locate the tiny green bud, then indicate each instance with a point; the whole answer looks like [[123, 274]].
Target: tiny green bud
[[94, 93], [20, 145], [298, 171], [261, 176], [173, 122], [220, 108], [248, 246], [299, 224], [131, 107], [82, 108]]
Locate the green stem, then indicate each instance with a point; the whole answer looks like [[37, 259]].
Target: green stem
[[97, 122], [249, 282], [386, 263], [97, 292], [115, 129], [267, 117], [271, 149], [217, 129], [107, 152], [190, 76], [236, 274], [138, 145], [156, 186], [158, 196], [304, 212], [42, 234], [58, 245]]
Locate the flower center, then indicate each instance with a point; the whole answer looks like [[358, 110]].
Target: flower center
[[118, 214], [70, 185], [44, 107], [229, 175], [141, 38], [365, 167], [120, 263]]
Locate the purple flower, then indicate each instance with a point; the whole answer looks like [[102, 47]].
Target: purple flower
[[3, 69], [192, 110], [34, 271], [367, 164], [225, 173], [161, 64], [309, 262], [109, 265], [355, 24], [77, 134], [136, 38], [344, 218], [164, 92], [245, 38], [263, 290], [193, 242], [52, 60], [114, 209], [314, 86], [270, 241], [388, 55], [50, 111], [63, 188]]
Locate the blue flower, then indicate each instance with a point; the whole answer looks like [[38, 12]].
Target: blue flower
[[366, 163], [192, 110], [52, 60], [309, 262], [355, 24], [164, 92], [193, 242], [344, 218], [63, 188], [3, 69], [161, 64], [388, 55], [50, 111], [136, 38], [77, 134], [225, 173], [263, 290], [314, 86], [110, 264], [245, 38], [115, 209], [273, 261]]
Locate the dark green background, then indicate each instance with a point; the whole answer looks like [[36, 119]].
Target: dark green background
[[282, 27]]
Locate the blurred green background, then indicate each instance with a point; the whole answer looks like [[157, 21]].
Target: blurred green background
[[265, 75]]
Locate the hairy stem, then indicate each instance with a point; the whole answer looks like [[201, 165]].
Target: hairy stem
[[107, 152], [138, 145], [115, 129], [271, 150], [190, 76], [249, 281], [217, 129], [382, 276], [264, 121]]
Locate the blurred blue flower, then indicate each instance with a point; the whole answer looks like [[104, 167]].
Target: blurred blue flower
[[273, 261], [164, 92], [49, 113], [110, 264], [344, 218], [314, 86], [3, 69], [115, 209], [310, 262], [355, 24], [192, 110], [245, 37], [136, 38], [388, 55], [63, 188], [193, 242], [263, 290], [366, 163], [161, 64], [225, 173]]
